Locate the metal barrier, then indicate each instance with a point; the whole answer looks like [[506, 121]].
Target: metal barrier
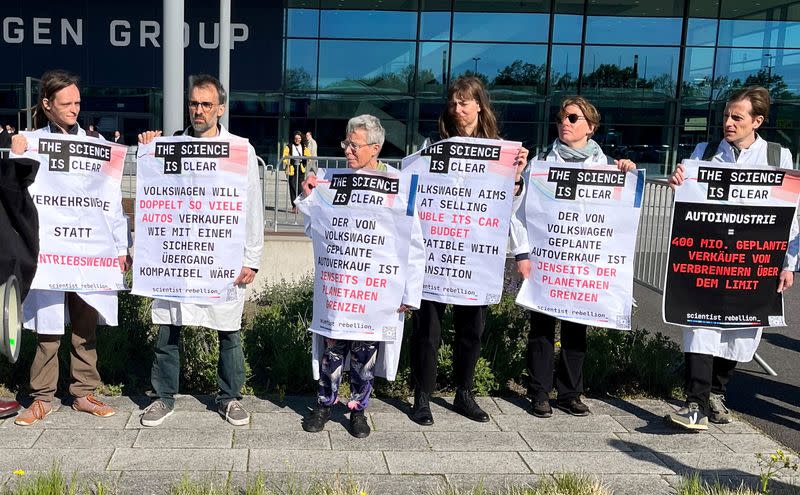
[[652, 243]]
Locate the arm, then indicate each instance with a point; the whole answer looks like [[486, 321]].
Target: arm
[[518, 232], [254, 227]]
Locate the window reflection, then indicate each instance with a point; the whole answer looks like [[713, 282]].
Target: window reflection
[[302, 22], [639, 31], [377, 24], [567, 28], [650, 71], [776, 70], [435, 26], [432, 71], [758, 33], [512, 67], [366, 66], [698, 70], [481, 26], [565, 66], [701, 32], [301, 64]]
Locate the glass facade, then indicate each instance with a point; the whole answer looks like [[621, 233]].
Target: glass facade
[[659, 71]]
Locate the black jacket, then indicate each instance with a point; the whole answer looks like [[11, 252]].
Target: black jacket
[[19, 222]]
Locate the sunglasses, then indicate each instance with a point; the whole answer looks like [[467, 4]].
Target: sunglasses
[[573, 118]]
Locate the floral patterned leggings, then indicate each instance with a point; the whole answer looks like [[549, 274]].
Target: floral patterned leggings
[[362, 366]]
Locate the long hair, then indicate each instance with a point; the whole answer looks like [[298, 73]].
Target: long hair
[[51, 83], [470, 88]]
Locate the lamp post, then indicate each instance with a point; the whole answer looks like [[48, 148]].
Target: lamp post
[[769, 67], [476, 63]]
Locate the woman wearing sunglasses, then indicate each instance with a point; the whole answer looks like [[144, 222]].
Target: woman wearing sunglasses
[[577, 121]]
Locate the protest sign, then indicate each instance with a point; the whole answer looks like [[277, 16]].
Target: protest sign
[[360, 226], [77, 195], [464, 200], [191, 197], [728, 238], [582, 221]]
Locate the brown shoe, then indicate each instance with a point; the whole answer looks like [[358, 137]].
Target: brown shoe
[[38, 410], [90, 404]]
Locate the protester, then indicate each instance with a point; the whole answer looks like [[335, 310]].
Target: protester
[[296, 167], [365, 138], [45, 311], [469, 113], [206, 104], [577, 121], [711, 354]]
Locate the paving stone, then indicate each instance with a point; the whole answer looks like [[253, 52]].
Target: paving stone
[[673, 442], [475, 441], [623, 484], [738, 426], [389, 405], [317, 461], [126, 403], [74, 420], [591, 463], [380, 440], [650, 424], [443, 421], [138, 459], [512, 405], [636, 407], [195, 403], [285, 440], [390, 484], [158, 483], [68, 460], [594, 423], [169, 438], [186, 420], [85, 439], [573, 442], [293, 421], [455, 462], [446, 404], [744, 443], [276, 404], [493, 483], [19, 438], [710, 464]]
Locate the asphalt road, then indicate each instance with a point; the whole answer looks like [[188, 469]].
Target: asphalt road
[[771, 403]]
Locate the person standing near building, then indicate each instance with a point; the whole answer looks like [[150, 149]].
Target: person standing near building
[[47, 311], [207, 99], [313, 150], [92, 132], [469, 114], [118, 138], [295, 167], [711, 354], [577, 121]]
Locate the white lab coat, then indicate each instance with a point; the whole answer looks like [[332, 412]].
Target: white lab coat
[[738, 344], [226, 316], [388, 357], [519, 244], [45, 311]]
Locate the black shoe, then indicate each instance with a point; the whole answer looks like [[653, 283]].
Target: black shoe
[[359, 426], [573, 406], [465, 405], [316, 419], [421, 411], [541, 409]]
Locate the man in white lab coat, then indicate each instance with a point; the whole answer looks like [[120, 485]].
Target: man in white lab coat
[[207, 100], [711, 354]]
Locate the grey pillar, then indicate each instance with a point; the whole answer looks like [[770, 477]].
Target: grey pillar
[[172, 51], [225, 53]]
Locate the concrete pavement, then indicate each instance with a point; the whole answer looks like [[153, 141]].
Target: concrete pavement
[[624, 443]]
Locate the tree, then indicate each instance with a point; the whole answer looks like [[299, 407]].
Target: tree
[[773, 82], [298, 78], [520, 73]]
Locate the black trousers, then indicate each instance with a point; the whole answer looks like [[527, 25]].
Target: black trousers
[[469, 322], [541, 358], [705, 374], [294, 184]]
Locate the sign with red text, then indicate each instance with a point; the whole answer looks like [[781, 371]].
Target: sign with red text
[[729, 235], [464, 201], [360, 226], [582, 221], [79, 201], [191, 197]]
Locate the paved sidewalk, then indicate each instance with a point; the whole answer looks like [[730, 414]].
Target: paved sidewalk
[[624, 443]]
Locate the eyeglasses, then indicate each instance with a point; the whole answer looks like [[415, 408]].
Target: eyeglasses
[[205, 105], [353, 146], [573, 118]]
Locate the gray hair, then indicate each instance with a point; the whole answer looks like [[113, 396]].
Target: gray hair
[[375, 132], [200, 80]]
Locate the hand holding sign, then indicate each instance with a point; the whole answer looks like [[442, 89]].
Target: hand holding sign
[[19, 144]]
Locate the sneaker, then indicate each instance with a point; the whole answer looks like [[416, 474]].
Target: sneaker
[[541, 409], [316, 419], [421, 411], [155, 413], [690, 417], [573, 406], [234, 413], [359, 426], [718, 411], [38, 410], [90, 404], [465, 405]]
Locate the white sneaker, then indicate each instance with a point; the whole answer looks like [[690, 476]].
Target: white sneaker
[[155, 414], [690, 417]]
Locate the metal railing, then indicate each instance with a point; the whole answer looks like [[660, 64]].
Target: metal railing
[[652, 243]]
